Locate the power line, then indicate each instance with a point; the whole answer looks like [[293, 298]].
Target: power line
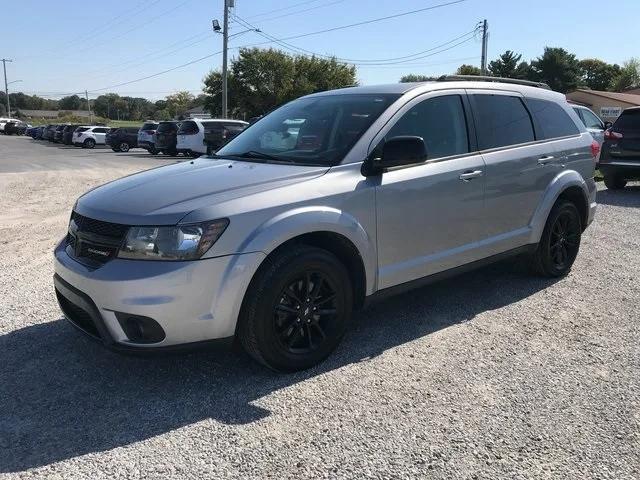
[[264, 20], [361, 62], [299, 4]]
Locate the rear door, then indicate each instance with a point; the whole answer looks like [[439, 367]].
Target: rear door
[[627, 146], [518, 168]]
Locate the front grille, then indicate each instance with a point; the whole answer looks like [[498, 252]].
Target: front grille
[[94, 242], [86, 224], [78, 316]]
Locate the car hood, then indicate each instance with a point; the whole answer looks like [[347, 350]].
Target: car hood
[[164, 195]]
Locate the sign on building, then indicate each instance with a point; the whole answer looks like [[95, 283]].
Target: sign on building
[[610, 112]]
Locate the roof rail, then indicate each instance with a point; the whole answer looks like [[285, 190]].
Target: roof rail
[[480, 78]]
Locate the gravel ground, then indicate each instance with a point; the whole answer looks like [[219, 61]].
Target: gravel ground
[[492, 375]]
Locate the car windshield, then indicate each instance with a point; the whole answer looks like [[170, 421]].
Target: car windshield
[[312, 131]]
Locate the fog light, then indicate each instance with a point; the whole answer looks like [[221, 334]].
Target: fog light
[[140, 329]]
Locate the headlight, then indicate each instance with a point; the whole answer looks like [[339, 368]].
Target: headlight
[[180, 242]]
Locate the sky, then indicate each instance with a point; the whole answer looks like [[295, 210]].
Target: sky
[[112, 46]]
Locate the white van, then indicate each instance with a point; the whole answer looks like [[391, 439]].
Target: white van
[[192, 132]]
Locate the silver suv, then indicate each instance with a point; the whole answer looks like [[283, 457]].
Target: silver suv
[[326, 203]]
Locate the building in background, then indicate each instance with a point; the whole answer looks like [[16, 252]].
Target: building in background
[[607, 105]]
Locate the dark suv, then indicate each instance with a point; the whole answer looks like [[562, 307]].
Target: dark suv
[[167, 137], [217, 134], [67, 134], [620, 158], [57, 134], [122, 139]]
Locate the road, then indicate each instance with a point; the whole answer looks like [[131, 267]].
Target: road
[[491, 375]]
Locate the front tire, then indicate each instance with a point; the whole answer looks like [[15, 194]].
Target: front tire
[[116, 150], [124, 147], [560, 242], [296, 309], [89, 143], [614, 182]]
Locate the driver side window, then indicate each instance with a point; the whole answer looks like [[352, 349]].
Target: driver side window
[[440, 122]]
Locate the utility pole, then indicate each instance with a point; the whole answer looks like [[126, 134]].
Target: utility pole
[[86, 95], [485, 41], [225, 42], [6, 85]]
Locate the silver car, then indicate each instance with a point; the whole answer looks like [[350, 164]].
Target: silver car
[[595, 126], [327, 203]]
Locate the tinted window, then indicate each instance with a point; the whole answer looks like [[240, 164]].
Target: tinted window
[[629, 120], [131, 130], [149, 126], [167, 127], [188, 128], [502, 120], [100, 130], [552, 119], [440, 122], [81, 129]]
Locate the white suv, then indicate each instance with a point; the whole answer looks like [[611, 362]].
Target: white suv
[[89, 136], [3, 122], [191, 134]]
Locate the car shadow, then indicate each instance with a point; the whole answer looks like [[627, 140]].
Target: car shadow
[[627, 197], [63, 396]]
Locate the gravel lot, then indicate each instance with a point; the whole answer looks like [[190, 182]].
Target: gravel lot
[[491, 375]]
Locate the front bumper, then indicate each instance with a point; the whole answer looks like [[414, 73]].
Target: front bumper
[[194, 302]]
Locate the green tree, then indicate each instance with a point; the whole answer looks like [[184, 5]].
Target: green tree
[[262, 79], [412, 77], [557, 68], [509, 65], [628, 76], [468, 70], [598, 75], [178, 103], [72, 102]]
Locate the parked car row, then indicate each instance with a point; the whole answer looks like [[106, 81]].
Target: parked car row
[[188, 137]]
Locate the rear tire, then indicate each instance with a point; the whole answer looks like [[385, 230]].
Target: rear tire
[[296, 309], [153, 151], [560, 242], [614, 182]]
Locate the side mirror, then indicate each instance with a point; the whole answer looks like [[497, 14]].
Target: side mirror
[[608, 125], [397, 151]]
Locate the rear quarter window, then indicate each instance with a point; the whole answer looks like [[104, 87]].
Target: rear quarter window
[[188, 127], [167, 127], [629, 120], [553, 121]]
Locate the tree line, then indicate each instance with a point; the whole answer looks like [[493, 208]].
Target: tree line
[[558, 68]]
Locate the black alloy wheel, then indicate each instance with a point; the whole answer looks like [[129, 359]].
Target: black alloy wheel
[[296, 309], [124, 147], [560, 242], [306, 312]]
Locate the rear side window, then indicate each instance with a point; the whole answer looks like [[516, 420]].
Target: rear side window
[[167, 127], [441, 123], [188, 128], [552, 119], [81, 129], [149, 126], [100, 130], [590, 120], [501, 120], [629, 120]]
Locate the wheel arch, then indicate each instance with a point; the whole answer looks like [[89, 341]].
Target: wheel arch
[[567, 185]]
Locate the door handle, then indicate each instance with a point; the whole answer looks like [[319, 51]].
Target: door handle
[[545, 160], [470, 175]]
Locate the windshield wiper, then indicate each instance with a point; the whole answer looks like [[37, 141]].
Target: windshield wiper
[[264, 156]]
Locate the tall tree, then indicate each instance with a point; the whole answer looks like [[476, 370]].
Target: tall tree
[[178, 103], [72, 102], [557, 68], [261, 79], [468, 70], [597, 75], [628, 76], [509, 65]]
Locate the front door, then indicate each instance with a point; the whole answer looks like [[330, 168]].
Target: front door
[[431, 215]]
